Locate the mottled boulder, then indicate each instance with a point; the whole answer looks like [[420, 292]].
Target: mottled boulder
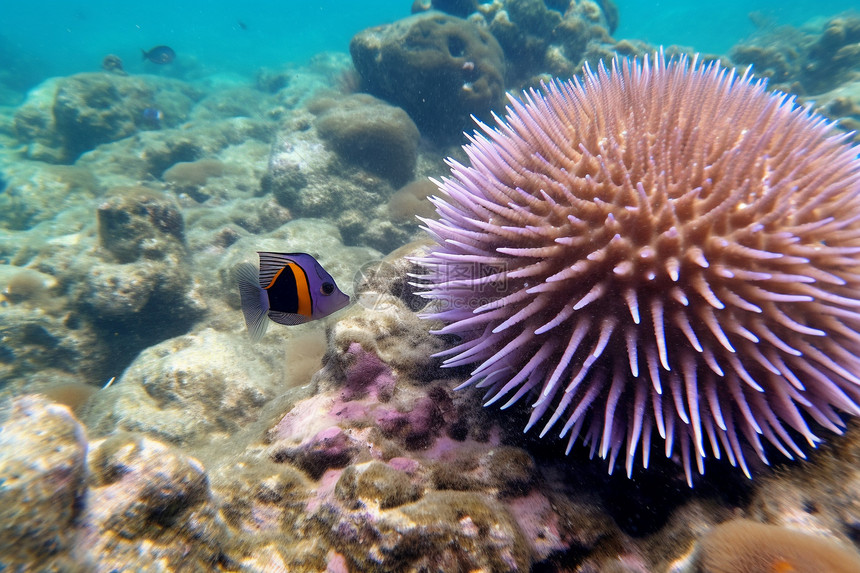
[[137, 222], [373, 135], [138, 483], [548, 37], [42, 471], [443, 531], [68, 116], [189, 388], [439, 68], [148, 504], [33, 191], [311, 180], [375, 484]]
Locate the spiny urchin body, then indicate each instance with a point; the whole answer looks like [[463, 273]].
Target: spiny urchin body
[[663, 245]]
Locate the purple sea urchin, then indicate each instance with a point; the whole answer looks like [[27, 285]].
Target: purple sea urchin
[[660, 245]]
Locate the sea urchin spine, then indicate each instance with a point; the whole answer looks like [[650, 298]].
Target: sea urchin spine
[[660, 245]]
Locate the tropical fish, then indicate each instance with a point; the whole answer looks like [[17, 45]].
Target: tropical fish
[[152, 116], [289, 288], [159, 55]]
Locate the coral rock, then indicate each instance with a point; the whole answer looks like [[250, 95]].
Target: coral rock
[[415, 428], [139, 222], [139, 483], [443, 531], [66, 117], [42, 471], [372, 134], [376, 484], [186, 388], [367, 375], [329, 448], [440, 69]]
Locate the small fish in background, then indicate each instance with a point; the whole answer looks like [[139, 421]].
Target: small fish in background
[[289, 288], [152, 117], [242, 24], [159, 55]]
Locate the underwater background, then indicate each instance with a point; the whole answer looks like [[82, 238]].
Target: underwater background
[[42, 39], [147, 150]]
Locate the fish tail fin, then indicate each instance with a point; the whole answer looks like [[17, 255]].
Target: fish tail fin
[[255, 303], [144, 53]]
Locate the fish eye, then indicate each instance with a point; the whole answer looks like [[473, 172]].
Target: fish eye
[[327, 288]]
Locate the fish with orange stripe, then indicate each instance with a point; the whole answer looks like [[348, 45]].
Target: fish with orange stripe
[[289, 288]]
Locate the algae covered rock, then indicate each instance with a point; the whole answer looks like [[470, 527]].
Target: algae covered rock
[[42, 472], [377, 484], [71, 115], [34, 192], [148, 504], [372, 134], [313, 181], [137, 222], [190, 388], [443, 531], [439, 68]]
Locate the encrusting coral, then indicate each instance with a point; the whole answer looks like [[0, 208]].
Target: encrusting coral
[[663, 245], [438, 68]]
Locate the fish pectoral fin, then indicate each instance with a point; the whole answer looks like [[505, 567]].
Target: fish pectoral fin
[[288, 318], [255, 301]]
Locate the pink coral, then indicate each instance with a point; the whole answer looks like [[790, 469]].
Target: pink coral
[[367, 374]]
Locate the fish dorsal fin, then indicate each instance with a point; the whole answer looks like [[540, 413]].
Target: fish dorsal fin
[[272, 263]]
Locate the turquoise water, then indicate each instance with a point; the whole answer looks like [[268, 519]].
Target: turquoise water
[[67, 37], [58, 38], [715, 26]]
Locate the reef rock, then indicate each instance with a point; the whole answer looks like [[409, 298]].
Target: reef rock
[[438, 68], [138, 222], [308, 179], [65, 117], [311, 180], [368, 132], [444, 531], [806, 61], [141, 281], [35, 192], [540, 39], [139, 486], [192, 388], [42, 472]]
